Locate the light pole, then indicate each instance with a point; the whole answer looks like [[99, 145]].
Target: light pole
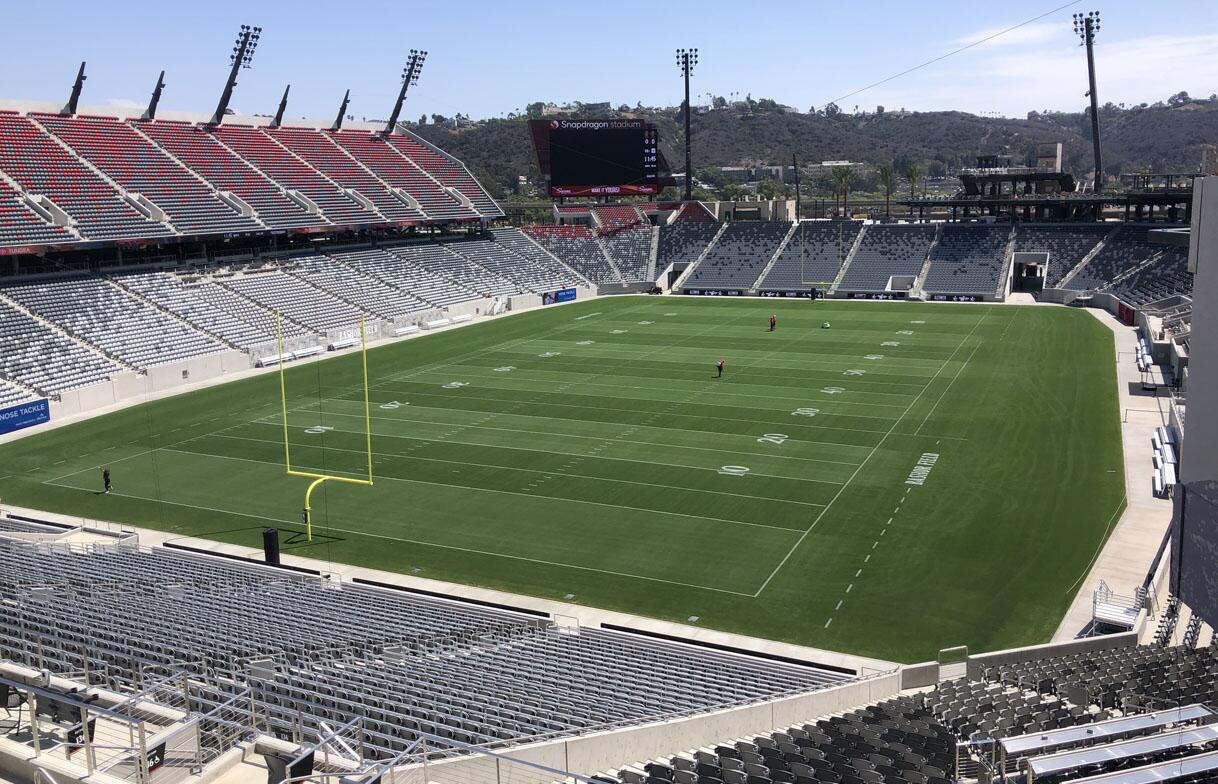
[[410, 76], [241, 57], [1086, 26], [686, 60]]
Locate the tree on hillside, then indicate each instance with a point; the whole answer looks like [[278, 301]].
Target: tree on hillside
[[913, 174], [735, 192], [842, 177], [887, 174], [771, 189], [832, 110]]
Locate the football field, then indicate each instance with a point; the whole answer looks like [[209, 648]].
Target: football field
[[914, 477]]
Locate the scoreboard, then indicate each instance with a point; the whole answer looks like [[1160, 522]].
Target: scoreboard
[[598, 157]]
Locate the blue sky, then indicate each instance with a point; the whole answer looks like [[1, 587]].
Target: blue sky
[[490, 58]]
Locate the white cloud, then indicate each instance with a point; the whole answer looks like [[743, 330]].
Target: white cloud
[[1034, 33], [1013, 82]]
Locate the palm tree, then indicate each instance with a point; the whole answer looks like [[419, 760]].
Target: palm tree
[[887, 174], [913, 174], [842, 176]]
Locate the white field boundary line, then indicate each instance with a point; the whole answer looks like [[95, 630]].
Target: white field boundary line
[[418, 542], [871, 454], [700, 518], [611, 439], [405, 456]]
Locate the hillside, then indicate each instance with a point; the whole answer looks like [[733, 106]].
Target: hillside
[[1158, 137]]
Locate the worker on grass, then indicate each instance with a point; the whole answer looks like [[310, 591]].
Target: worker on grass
[[773, 322], [106, 479], [719, 366]]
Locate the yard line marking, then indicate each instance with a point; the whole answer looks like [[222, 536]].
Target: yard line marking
[[867, 559], [781, 411], [889, 521], [599, 438], [588, 316], [866, 460], [849, 587], [419, 541], [876, 543], [840, 602], [513, 468], [859, 572], [828, 622], [96, 467], [512, 492], [959, 370]]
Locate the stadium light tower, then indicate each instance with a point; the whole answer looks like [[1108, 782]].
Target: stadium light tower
[[241, 57], [686, 60], [410, 76], [1086, 26], [69, 108]]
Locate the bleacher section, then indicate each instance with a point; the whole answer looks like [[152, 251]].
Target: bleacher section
[[11, 395], [128, 158], [391, 166], [367, 293], [118, 178], [630, 250], [967, 259], [813, 257], [612, 218], [535, 258], [278, 291], [20, 225], [896, 741], [168, 292], [42, 167], [123, 327], [402, 270], [34, 355], [320, 152], [683, 243], [1167, 276], [887, 250], [447, 172], [440, 260], [501, 261], [741, 253], [404, 662], [1128, 248], [1067, 245], [197, 149], [291, 172], [576, 247]]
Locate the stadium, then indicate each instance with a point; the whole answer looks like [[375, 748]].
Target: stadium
[[317, 464]]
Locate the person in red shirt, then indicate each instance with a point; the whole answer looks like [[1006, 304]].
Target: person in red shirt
[[773, 321], [719, 366]]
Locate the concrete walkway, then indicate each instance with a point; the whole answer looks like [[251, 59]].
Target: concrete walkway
[[1126, 556]]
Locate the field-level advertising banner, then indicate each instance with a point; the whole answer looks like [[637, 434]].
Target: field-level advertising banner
[[24, 415], [554, 297]]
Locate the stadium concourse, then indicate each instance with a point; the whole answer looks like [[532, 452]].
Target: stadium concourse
[[150, 257]]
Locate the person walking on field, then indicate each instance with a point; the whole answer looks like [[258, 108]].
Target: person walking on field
[[106, 479], [773, 322], [719, 366]]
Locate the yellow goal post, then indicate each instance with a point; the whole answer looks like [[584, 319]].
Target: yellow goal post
[[318, 478]]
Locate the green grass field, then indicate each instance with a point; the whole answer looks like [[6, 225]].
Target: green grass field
[[587, 450]]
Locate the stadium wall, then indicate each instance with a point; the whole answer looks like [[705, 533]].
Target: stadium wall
[[589, 754], [161, 378]]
